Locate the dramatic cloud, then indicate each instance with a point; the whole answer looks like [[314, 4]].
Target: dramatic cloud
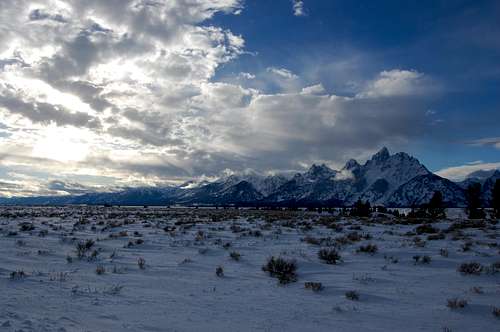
[[459, 173], [398, 83], [298, 8], [282, 72], [70, 187], [490, 141], [125, 92]]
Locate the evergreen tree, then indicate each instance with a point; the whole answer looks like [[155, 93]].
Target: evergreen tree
[[495, 202], [361, 209], [473, 197], [435, 208]]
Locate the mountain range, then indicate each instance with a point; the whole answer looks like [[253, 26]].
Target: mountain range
[[397, 180]]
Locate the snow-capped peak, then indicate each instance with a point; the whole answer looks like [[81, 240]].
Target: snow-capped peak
[[382, 155], [351, 164], [320, 171]]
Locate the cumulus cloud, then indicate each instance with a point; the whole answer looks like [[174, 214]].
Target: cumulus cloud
[[298, 8], [247, 76], [488, 141], [282, 72], [126, 90], [344, 175], [398, 82], [45, 113], [459, 173], [70, 187], [316, 89]]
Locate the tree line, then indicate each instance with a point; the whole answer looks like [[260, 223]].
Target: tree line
[[436, 208]]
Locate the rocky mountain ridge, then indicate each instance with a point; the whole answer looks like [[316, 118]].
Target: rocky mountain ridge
[[397, 180]]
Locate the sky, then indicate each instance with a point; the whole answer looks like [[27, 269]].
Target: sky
[[100, 95]]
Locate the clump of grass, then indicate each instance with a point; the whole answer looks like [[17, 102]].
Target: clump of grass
[[200, 236], [418, 242], [426, 259], [352, 295], [18, 275], [282, 269], [493, 268], [93, 255], [477, 290], [113, 290], [434, 237], [456, 303], [314, 286], [235, 255], [219, 271], [329, 256], [311, 240], [354, 237], [141, 262], [443, 252], [369, 248], [496, 312], [470, 268], [203, 251], [422, 259], [186, 261], [82, 247], [426, 229], [26, 227], [100, 270], [391, 259], [255, 233], [58, 276], [466, 246]]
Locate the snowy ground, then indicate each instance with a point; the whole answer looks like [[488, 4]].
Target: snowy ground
[[178, 289]]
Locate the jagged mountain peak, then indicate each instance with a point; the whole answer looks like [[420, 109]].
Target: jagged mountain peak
[[397, 179], [382, 155], [482, 174], [351, 164], [316, 167], [320, 171]]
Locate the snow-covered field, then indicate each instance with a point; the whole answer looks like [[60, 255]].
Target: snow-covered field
[[46, 287]]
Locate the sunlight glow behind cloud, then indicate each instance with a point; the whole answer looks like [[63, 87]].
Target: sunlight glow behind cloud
[[128, 90]]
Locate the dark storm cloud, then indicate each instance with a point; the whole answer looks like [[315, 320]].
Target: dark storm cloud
[[488, 141], [69, 187], [75, 59], [39, 15], [145, 136], [7, 186], [45, 113], [159, 168], [145, 74], [87, 91]]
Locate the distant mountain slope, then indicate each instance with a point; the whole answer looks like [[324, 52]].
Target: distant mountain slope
[[384, 174], [488, 185], [420, 189], [385, 179], [132, 196]]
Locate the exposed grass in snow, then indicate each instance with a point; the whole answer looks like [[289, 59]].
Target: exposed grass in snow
[[157, 269]]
